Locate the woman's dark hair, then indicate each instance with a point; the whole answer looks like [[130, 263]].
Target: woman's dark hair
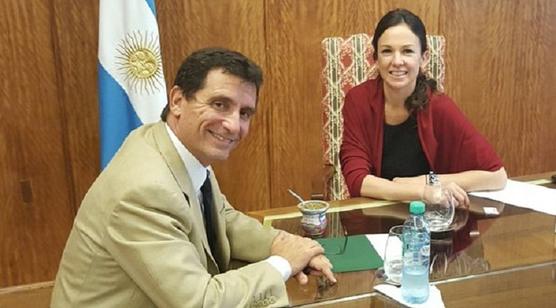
[[193, 71], [418, 99]]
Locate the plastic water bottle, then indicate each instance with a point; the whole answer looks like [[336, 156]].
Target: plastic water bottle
[[416, 254]]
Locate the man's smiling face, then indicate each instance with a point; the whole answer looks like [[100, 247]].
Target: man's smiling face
[[212, 122]]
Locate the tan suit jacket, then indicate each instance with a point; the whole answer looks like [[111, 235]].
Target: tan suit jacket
[[138, 239]]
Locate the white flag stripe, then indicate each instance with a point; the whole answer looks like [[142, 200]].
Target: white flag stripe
[[121, 19]]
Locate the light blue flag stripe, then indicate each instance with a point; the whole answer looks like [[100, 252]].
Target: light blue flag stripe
[[151, 4], [127, 98], [117, 116]]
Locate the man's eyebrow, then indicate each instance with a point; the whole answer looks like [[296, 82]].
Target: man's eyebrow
[[221, 98], [227, 99]]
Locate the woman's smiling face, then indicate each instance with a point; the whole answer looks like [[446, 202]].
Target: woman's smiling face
[[399, 58]]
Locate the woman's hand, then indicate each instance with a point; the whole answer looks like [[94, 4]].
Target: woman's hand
[[432, 194], [459, 194]]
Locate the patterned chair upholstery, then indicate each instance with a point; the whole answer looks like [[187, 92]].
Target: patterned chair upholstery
[[347, 63]]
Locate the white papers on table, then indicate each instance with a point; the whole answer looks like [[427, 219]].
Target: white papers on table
[[394, 292], [534, 197], [379, 242]]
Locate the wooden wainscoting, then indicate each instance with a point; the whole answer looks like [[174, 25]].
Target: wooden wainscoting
[[36, 295]]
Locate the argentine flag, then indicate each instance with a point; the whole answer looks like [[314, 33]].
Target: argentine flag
[[132, 90]]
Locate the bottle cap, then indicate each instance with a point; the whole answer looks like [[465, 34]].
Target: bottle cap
[[416, 207]]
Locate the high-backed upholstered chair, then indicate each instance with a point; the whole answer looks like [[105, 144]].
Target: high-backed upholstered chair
[[347, 63]]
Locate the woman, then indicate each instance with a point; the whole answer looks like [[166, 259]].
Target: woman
[[397, 127]]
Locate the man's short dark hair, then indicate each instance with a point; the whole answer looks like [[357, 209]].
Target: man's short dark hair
[[193, 71]]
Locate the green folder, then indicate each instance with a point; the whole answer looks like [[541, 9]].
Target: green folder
[[359, 254]]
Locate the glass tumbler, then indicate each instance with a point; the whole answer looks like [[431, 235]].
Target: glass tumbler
[[441, 209], [393, 255]]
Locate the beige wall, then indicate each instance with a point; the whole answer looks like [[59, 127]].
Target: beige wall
[[499, 70]]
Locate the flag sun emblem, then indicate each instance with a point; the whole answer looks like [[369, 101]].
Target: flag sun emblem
[[140, 62]]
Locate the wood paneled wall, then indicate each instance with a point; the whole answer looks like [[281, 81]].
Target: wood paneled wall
[[499, 71], [35, 183]]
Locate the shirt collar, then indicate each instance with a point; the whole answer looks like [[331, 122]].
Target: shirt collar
[[197, 172]]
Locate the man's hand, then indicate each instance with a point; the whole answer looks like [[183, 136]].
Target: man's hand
[[297, 250], [319, 265]]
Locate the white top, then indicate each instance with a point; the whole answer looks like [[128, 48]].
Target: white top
[[197, 172]]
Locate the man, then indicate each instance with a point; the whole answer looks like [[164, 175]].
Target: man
[[152, 232]]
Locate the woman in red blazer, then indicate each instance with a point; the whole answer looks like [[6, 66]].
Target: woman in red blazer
[[398, 127]]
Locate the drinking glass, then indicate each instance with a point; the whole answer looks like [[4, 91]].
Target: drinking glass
[[393, 255], [440, 209]]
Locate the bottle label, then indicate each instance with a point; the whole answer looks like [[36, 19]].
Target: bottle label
[[416, 250]]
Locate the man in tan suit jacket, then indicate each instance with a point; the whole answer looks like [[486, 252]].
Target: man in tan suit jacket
[[140, 238]]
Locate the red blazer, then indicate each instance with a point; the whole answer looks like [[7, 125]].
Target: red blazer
[[451, 144]]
